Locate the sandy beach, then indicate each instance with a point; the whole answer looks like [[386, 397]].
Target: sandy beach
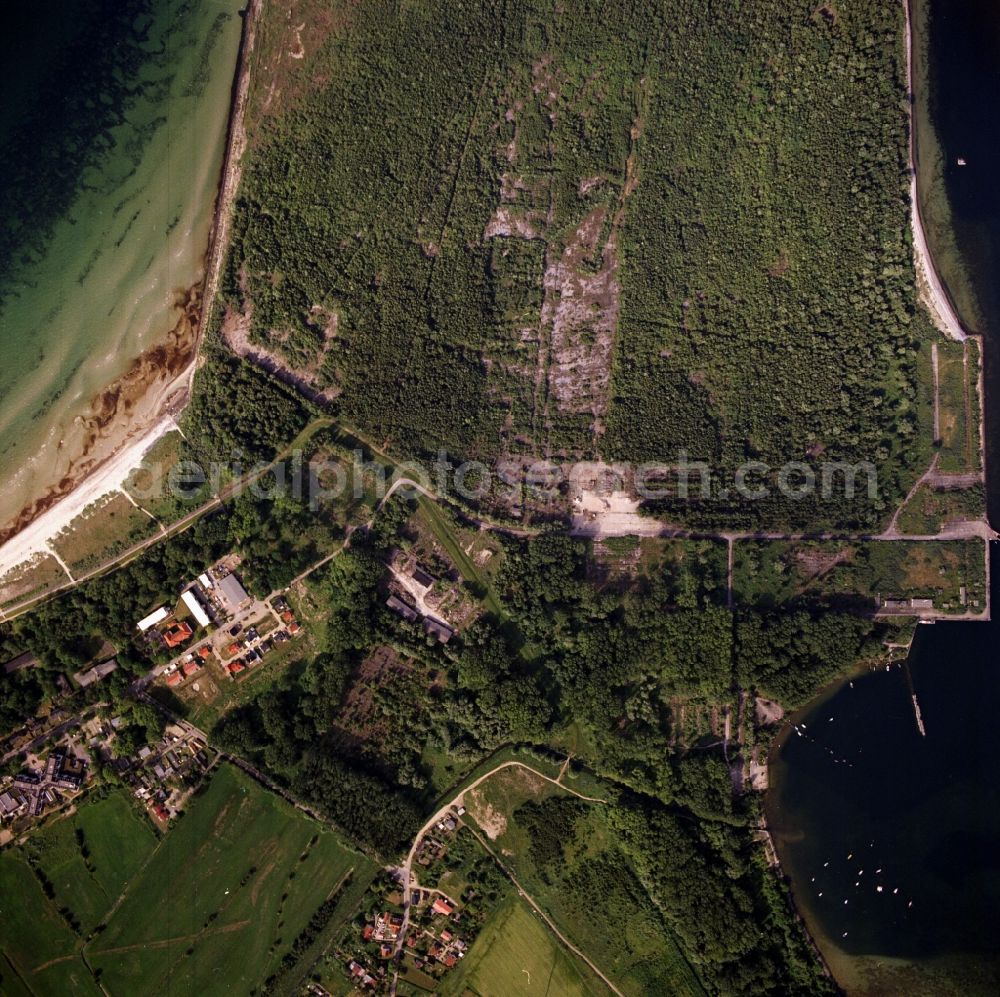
[[109, 477], [932, 291], [127, 417]]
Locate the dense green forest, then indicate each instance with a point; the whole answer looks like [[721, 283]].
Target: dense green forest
[[591, 229]]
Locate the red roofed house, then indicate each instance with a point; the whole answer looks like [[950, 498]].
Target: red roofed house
[[191, 667], [204, 652], [174, 678], [441, 906], [177, 634]]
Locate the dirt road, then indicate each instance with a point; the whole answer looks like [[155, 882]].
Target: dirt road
[[406, 869]]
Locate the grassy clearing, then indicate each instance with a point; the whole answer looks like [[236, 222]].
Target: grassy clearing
[[958, 374], [150, 483], [470, 572], [35, 577], [622, 564], [103, 529], [490, 803], [516, 954], [226, 895], [549, 768], [931, 509], [852, 575]]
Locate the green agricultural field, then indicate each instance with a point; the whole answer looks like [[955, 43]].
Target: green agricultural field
[[227, 894], [90, 857], [859, 575], [516, 954], [40, 954]]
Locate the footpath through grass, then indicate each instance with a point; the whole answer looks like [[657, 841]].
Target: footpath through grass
[[516, 954], [40, 953], [443, 530]]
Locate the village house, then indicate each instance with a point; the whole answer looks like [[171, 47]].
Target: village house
[[26, 660], [95, 674], [177, 634], [442, 906]]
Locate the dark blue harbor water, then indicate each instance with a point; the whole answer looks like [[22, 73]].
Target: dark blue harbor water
[[905, 828]]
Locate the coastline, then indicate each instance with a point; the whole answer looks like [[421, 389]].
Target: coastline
[[934, 296], [110, 476], [933, 293], [130, 415]]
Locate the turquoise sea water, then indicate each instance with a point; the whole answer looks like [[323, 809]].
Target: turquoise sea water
[[113, 123]]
